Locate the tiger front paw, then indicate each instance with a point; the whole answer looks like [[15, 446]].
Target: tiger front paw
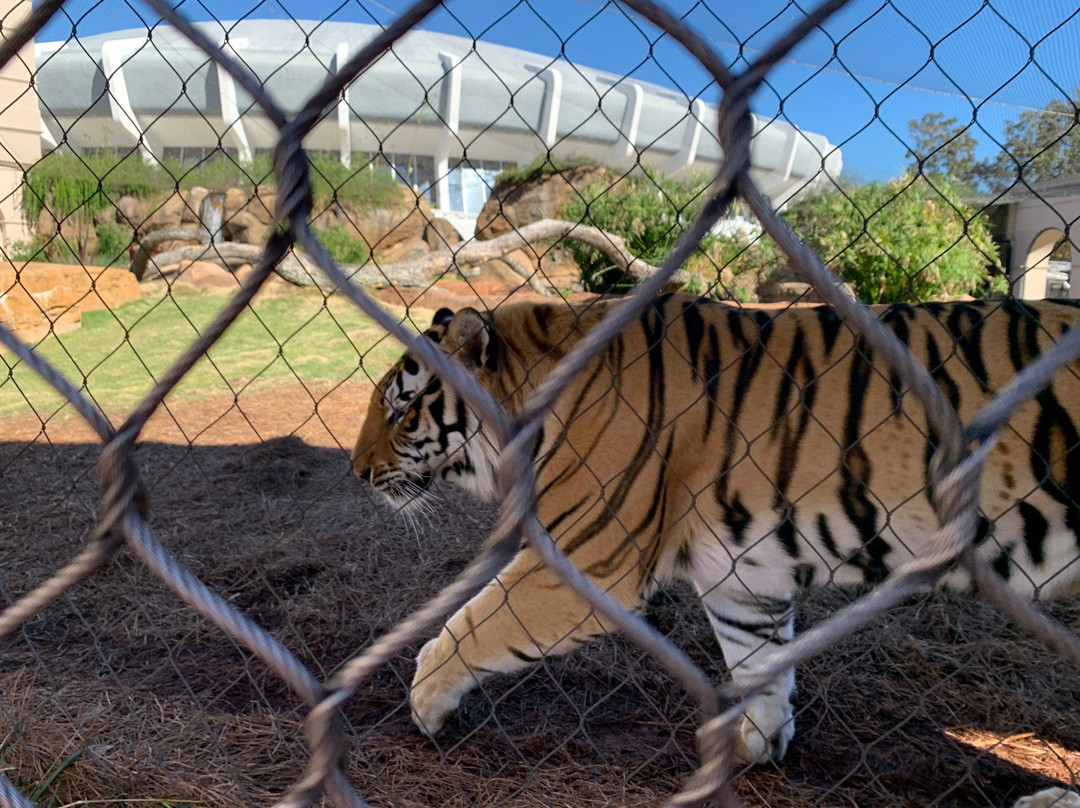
[[431, 697], [765, 732]]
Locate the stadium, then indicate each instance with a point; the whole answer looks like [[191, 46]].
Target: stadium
[[447, 113]]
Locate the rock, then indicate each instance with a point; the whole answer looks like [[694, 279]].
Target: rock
[[193, 205], [168, 214], [201, 276], [440, 234], [518, 202], [40, 298], [386, 228], [131, 211], [498, 271]]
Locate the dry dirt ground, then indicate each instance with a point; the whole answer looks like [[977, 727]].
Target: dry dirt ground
[[127, 696]]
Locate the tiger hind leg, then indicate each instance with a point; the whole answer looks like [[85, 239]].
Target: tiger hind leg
[[747, 623]]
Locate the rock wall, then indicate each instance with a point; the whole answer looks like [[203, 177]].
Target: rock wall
[[37, 299]]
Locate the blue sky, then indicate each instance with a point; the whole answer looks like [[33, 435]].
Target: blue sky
[[858, 82]]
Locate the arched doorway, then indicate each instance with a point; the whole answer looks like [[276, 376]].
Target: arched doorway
[[1046, 268]]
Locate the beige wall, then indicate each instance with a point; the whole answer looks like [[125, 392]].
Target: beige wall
[[20, 127]]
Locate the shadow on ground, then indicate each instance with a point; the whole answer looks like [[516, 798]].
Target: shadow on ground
[[940, 703]]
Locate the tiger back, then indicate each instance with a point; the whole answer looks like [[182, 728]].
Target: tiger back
[[748, 452]]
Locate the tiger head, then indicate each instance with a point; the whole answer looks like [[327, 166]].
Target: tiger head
[[419, 430]]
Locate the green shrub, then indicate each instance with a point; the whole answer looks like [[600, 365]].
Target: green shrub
[[365, 188], [906, 241], [543, 165], [76, 185], [112, 244], [22, 251], [647, 209], [343, 246]]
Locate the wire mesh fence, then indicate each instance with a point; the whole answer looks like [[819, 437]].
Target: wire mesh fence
[[285, 676]]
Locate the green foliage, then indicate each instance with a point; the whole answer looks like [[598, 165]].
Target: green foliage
[[366, 188], [76, 185], [543, 165], [1040, 145], [112, 245], [648, 210], [910, 240], [343, 246], [23, 251], [942, 147]]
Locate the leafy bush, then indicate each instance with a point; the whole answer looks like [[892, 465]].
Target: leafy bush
[[543, 165], [908, 240], [366, 188], [112, 244], [80, 185], [648, 210], [343, 246]]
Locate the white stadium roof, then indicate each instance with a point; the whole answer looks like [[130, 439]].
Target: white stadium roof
[[436, 96]]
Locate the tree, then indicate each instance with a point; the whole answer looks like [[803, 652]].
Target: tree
[[942, 147], [908, 240], [1041, 144]]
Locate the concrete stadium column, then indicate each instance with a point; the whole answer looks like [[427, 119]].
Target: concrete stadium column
[[113, 56], [551, 106], [230, 107], [20, 126], [628, 130], [344, 129], [687, 153], [451, 117]]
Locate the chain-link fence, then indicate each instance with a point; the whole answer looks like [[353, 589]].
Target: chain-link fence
[[284, 678]]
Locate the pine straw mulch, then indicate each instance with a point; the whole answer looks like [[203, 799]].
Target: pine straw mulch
[[942, 702]]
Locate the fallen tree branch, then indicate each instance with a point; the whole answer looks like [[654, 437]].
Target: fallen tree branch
[[149, 242], [300, 269]]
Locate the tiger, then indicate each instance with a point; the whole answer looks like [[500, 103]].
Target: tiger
[[751, 452]]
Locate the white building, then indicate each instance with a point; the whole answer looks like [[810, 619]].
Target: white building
[[447, 112]]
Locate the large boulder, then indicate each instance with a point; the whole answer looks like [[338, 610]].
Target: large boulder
[[395, 232], [517, 202], [37, 299]]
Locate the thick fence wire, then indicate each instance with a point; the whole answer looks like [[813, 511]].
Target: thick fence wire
[[337, 693]]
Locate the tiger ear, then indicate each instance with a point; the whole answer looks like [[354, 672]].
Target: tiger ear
[[468, 338], [442, 317]]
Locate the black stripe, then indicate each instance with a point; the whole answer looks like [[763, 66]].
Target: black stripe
[[515, 652], [785, 533], [1035, 530], [712, 378], [695, 331], [748, 366], [830, 324], [897, 318], [654, 325], [553, 525], [855, 471], [1001, 564], [966, 326], [765, 630], [826, 536]]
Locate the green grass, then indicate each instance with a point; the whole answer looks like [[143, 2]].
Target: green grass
[[116, 356]]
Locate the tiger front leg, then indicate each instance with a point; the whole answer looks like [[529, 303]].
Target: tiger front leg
[[524, 614], [748, 620]]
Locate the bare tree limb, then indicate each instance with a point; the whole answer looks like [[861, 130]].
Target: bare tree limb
[[301, 270], [150, 241]]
